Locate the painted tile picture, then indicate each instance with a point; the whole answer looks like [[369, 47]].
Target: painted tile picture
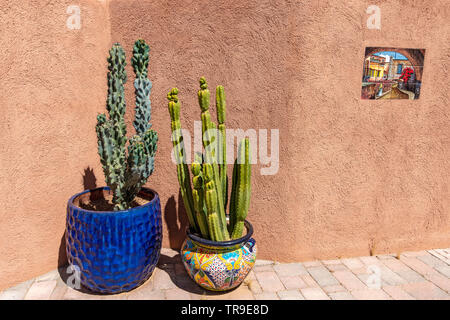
[[392, 73]]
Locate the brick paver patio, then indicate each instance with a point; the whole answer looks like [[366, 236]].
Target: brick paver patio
[[412, 275]]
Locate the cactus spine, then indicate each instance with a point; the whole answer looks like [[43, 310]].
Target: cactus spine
[[126, 173], [206, 203]]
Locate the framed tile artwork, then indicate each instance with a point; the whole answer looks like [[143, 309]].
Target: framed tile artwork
[[392, 73]]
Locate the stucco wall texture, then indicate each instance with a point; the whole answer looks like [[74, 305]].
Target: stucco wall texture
[[356, 177], [52, 86]]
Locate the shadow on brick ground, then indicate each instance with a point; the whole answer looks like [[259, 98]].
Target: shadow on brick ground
[[179, 276]]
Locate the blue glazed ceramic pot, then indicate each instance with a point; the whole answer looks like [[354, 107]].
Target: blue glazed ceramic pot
[[114, 251], [219, 266]]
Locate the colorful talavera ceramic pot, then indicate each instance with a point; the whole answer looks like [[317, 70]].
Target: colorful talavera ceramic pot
[[219, 266]]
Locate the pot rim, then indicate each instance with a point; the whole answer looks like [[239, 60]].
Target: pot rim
[[222, 244], [103, 213]]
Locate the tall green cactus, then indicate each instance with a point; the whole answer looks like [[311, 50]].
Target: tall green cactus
[[126, 172], [211, 198], [142, 87], [182, 167], [206, 203], [222, 149], [198, 195], [241, 188], [211, 146]]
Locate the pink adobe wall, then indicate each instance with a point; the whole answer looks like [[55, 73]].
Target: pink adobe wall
[[52, 85], [356, 176]]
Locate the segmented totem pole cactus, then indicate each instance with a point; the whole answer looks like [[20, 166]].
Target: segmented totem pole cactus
[[126, 172], [206, 203]]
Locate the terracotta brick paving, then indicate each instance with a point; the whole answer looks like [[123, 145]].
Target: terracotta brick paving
[[411, 275]]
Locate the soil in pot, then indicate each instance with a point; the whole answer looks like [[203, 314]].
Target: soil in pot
[[101, 200]]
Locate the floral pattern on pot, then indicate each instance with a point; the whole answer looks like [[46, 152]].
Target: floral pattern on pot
[[218, 269]]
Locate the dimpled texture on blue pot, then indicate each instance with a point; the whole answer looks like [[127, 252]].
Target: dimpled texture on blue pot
[[114, 251]]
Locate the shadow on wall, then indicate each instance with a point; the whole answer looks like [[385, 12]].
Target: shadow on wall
[[62, 256], [89, 179], [176, 221], [89, 182]]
